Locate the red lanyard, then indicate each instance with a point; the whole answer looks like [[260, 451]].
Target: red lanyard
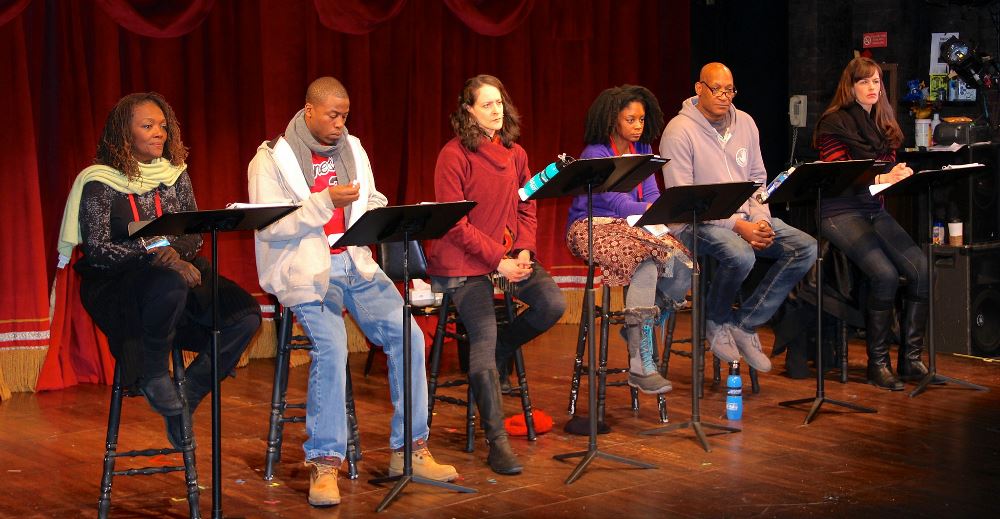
[[631, 149], [135, 209]]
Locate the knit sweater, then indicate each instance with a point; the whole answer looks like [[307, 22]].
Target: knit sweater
[[490, 177]]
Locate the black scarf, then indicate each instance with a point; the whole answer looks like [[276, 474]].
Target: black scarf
[[856, 128]]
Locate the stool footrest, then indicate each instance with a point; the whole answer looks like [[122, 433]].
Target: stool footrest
[[450, 400], [148, 471]]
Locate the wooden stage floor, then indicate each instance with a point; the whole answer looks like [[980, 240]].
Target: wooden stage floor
[[936, 455]]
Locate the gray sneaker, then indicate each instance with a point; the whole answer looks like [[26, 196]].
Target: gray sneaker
[[721, 342], [749, 345], [651, 384]]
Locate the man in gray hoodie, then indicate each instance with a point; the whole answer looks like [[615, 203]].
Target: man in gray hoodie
[[709, 141]]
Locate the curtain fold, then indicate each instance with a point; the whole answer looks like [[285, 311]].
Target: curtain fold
[[236, 78], [10, 9], [491, 17], [356, 16], [158, 19]]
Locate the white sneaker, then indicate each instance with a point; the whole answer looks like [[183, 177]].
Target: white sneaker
[[749, 346]]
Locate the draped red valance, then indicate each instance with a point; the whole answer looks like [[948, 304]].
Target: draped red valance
[[157, 19], [356, 16], [491, 17]]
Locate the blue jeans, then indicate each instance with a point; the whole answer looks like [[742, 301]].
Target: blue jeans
[[377, 307], [883, 251], [793, 250]]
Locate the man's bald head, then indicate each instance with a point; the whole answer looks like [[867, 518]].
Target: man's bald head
[[715, 78], [324, 87]]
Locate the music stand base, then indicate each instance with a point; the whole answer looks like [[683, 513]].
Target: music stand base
[[937, 379], [818, 402], [590, 455], [402, 480], [698, 428]]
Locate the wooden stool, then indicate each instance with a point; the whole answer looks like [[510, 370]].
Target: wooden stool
[[111, 445], [607, 317], [447, 314], [279, 405]]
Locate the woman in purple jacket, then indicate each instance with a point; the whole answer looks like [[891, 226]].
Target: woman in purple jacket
[[651, 263]]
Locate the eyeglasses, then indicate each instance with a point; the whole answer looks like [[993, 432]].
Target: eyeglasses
[[719, 92]]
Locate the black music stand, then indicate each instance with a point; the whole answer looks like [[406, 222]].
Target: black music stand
[[916, 184], [693, 204], [598, 175], [404, 223], [213, 221], [809, 182]]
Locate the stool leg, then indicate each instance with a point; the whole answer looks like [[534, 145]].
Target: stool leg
[[354, 440], [276, 422], [432, 380], [190, 469], [843, 352], [754, 383], [110, 445], [602, 370], [369, 361], [470, 420], [668, 343], [581, 343], [716, 371], [522, 380]]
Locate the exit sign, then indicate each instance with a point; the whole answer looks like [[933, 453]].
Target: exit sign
[[874, 39]]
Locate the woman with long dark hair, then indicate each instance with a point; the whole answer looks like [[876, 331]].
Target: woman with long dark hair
[[860, 124], [655, 267], [494, 243]]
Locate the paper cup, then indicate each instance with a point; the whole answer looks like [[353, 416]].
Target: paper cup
[[955, 233]]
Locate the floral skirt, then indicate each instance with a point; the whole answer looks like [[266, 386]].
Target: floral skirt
[[619, 248]]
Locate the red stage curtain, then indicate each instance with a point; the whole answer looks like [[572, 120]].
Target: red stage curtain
[[491, 17], [356, 16], [158, 19], [237, 77]]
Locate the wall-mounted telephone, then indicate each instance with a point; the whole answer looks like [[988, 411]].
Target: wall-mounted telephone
[[797, 111]]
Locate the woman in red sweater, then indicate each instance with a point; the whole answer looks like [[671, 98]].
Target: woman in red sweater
[[495, 241]]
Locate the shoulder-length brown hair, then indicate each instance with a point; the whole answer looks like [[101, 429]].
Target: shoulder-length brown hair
[[862, 68], [115, 147], [465, 125]]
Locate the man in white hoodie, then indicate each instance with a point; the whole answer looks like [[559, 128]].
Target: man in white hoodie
[[709, 141], [318, 165]]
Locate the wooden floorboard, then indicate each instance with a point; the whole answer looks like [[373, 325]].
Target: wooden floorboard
[[936, 455]]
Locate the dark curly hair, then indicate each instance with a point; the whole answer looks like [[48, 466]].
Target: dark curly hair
[[603, 114], [115, 148], [465, 125]]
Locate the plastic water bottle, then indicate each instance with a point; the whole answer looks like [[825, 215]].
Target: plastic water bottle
[[773, 186], [734, 392], [937, 234], [544, 176]]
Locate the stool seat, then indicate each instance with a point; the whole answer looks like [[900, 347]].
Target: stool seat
[[288, 342], [111, 453]]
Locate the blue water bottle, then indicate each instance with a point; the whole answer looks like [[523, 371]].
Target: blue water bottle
[[536, 182], [734, 392]]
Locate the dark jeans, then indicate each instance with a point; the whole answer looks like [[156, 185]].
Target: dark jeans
[[883, 251], [474, 301]]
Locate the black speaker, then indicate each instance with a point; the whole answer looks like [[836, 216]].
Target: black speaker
[[967, 299], [974, 199]]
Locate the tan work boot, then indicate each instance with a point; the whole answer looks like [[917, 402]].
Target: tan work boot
[[423, 464], [323, 490]]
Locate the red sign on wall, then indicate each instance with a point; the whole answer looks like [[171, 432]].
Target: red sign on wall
[[872, 40]]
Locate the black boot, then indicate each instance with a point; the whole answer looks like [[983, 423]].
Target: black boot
[[486, 389], [879, 329], [909, 366], [233, 340], [162, 395]]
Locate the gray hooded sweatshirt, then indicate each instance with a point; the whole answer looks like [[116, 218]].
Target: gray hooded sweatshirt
[[699, 155]]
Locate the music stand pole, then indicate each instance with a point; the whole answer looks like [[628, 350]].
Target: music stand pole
[[697, 356], [212, 221], [403, 223], [592, 451], [932, 376], [821, 397]]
